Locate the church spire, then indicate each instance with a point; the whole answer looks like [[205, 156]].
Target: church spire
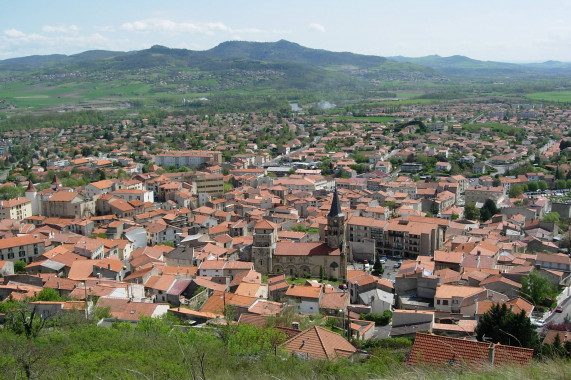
[[335, 206], [31, 188]]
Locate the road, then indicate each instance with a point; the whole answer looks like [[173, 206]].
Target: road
[[565, 301]]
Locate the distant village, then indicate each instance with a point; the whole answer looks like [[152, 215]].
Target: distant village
[[335, 215]]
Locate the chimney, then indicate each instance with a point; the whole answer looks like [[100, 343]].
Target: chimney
[[108, 266], [58, 285], [295, 325]]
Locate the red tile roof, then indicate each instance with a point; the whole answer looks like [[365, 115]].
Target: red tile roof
[[436, 349], [319, 343]]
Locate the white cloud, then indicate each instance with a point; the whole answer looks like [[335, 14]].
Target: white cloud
[[168, 26], [13, 33], [60, 28], [316, 26]]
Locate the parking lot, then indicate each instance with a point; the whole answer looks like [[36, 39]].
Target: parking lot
[[390, 271]]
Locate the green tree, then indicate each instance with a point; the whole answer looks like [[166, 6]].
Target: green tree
[[532, 186], [488, 210], [378, 267], [551, 217], [471, 212], [11, 192], [47, 294], [537, 289], [560, 184], [542, 185], [515, 191], [20, 266], [501, 325]]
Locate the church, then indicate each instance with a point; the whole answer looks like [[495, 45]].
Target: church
[[299, 259]]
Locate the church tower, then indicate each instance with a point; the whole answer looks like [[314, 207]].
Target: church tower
[[32, 195], [336, 232], [264, 246]]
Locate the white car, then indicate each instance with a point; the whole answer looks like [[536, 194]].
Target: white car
[[538, 322]]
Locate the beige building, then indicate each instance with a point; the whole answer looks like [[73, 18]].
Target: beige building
[[480, 194], [69, 204], [24, 248], [17, 208], [211, 184], [413, 236]]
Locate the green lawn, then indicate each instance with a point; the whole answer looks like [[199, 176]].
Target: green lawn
[[551, 96]]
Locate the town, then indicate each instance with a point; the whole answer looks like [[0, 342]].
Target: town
[[395, 223]]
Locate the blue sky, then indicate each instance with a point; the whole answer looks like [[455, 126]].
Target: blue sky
[[499, 30]]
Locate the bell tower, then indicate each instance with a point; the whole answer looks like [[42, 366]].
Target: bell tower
[[336, 232]]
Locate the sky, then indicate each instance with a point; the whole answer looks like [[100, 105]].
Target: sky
[[494, 30]]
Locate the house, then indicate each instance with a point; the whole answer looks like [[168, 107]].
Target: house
[[443, 166], [450, 297], [24, 248], [441, 350], [18, 208], [126, 310], [99, 187], [555, 261], [304, 298], [68, 204], [406, 323], [319, 343]]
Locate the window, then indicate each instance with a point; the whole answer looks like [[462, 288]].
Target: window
[[445, 302], [438, 302], [10, 255]]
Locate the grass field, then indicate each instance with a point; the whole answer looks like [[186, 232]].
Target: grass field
[[551, 96]]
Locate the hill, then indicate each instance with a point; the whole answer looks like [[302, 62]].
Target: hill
[[463, 66], [161, 76]]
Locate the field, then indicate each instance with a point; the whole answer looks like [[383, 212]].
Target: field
[[551, 96], [34, 96]]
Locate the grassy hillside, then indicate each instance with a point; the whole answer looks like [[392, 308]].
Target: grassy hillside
[[156, 350]]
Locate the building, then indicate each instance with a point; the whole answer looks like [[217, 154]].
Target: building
[[133, 194], [69, 204], [24, 248], [431, 349], [296, 259], [480, 194], [18, 208], [211, 184], [188, 158], [413, 236]]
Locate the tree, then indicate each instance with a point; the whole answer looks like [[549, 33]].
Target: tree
[[488, 210], [532, 186], [471, 212], [551, 217], [515, 190], [542, 185], [537, 289], [501, 325], [560, 184], [20, 266], [47, 294], [378, 267]]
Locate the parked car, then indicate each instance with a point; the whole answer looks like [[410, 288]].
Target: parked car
[[397, 265], [343, 286], [538, 322], [559, 309]]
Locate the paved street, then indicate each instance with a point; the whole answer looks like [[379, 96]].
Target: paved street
[[564, 301]]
